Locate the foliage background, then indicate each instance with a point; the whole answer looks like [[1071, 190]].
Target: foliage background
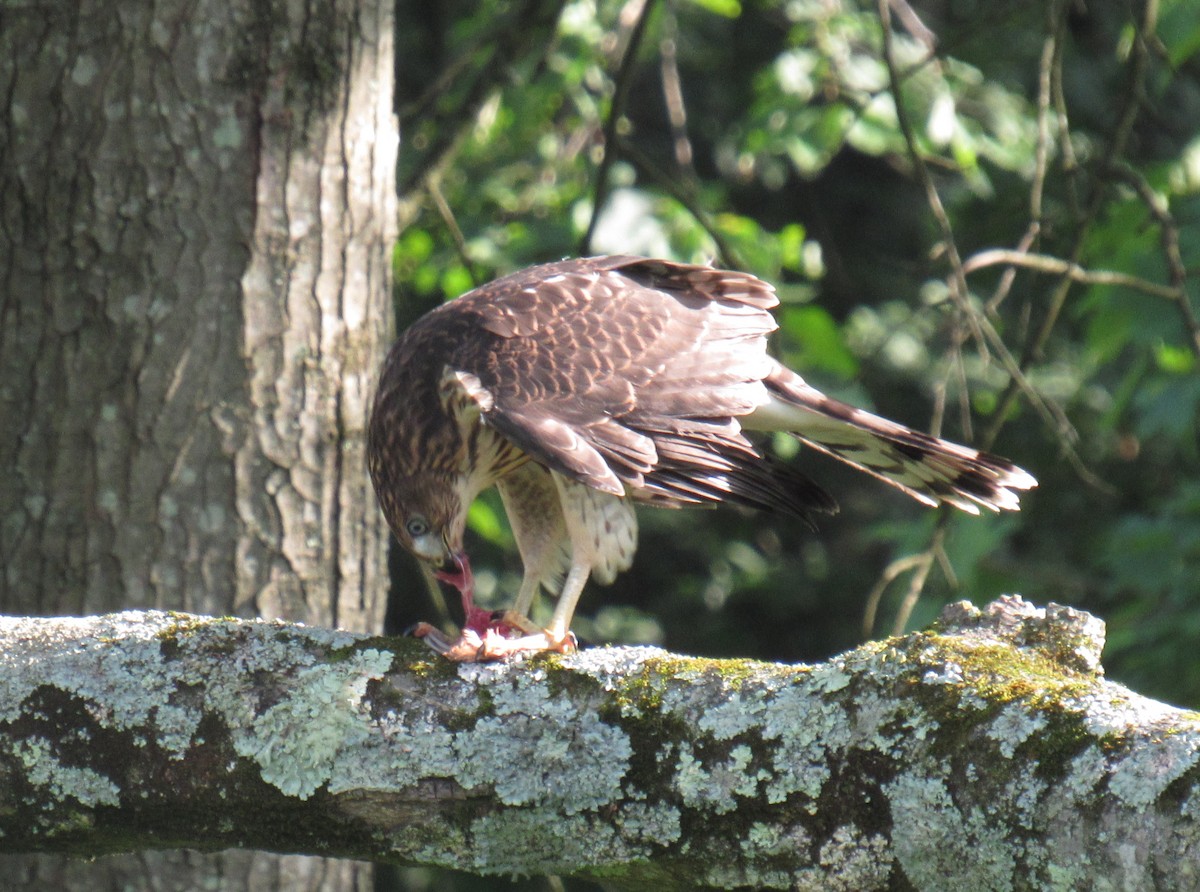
[[1004, 255]]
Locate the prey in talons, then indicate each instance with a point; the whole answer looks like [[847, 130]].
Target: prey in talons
[[486, 634]]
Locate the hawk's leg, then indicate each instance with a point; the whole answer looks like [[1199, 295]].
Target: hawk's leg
[[599, 528], [560, 623], [529, 588], [561, 527], [535, 513]]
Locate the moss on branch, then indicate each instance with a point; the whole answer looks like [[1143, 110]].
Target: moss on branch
[[988, 751]]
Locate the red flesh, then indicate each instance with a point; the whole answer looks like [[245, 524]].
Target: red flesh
[[476, 619]]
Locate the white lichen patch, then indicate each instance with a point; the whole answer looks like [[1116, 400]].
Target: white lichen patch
[[612, 666], [941, 847], [828, 678], [541, 750], [176, 728], [1084, 775], [399, 753], [851, 861], [807, 730], [528, 842], [774, 839], [1144, 773], [887, 725], [726, 719], [793, 710], [297, 741], [1022, 804], [1111, 709], [1013, 726], [85, 786], [646, 823], [717, 786], [113, 664]]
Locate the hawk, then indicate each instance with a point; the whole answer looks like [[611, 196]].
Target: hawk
[[581, 387]]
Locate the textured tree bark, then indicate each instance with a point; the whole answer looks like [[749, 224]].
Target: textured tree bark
[[197, 208], [988, 753]]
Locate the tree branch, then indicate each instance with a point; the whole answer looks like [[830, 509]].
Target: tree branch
[[1057, 266], [985, 752]]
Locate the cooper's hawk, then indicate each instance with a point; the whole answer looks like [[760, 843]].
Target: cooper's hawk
[[580, 387]]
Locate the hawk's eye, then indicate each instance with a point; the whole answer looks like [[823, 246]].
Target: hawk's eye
[[416, 526]]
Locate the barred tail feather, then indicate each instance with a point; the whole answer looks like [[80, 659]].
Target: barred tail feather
[[930, 470]]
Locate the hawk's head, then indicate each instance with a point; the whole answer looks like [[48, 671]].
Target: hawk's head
[[415, 453], [428, 514]]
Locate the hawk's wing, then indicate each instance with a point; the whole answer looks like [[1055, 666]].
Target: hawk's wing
[[628, 375]]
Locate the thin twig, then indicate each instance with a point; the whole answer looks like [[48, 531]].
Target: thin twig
[[616, 111], [964, 396], [1116, 147], [958, 282], [890, 573], [1169, 237], [1009, 276], [1047, 64], [1045, 263], [1069, 163], [916, 584], [1050, 60], [433, 186], [919, 565], [673, 94], [914, 26]]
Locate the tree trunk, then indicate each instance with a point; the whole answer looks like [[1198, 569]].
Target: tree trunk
[[197, 206], [987, 754]]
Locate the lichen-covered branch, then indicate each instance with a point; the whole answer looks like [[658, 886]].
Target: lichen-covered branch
[[987, 753]]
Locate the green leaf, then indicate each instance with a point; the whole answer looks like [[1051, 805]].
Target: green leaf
[[819, 341], [486, 523], [729, 9], [791, 246], [1178, 360], [457, 280]]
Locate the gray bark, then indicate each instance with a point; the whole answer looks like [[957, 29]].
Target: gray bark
[[197, 210], [987, 753], [197, 204]]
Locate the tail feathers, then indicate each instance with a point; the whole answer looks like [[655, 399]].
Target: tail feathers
[[930, 470]]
